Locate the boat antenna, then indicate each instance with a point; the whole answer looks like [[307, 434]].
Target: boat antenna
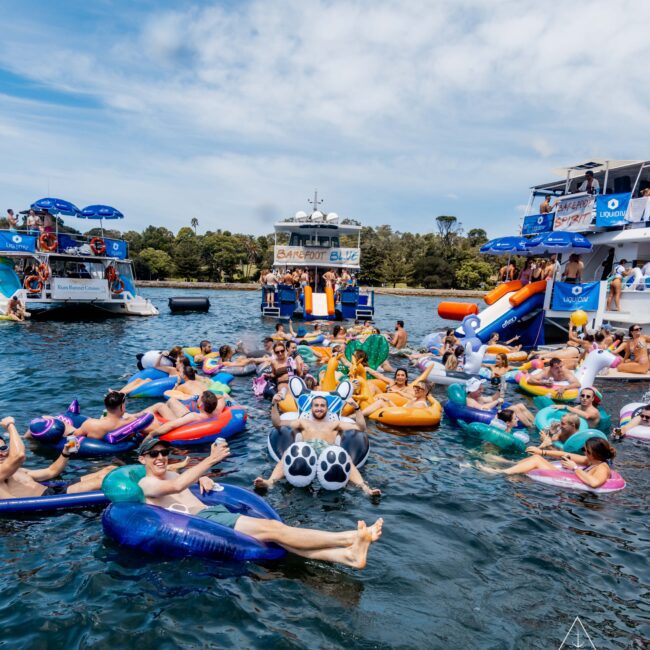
[[315, 202]]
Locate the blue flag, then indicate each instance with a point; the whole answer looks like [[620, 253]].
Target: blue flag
[[116, 248], [611, 209], [534, 224], [16, 242], [66, 242], [568, 297]]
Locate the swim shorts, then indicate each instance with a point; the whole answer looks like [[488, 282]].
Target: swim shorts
[[220, 515], [55, 490], [318, 444]]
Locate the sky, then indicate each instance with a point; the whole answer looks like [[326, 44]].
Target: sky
[[234, 112]]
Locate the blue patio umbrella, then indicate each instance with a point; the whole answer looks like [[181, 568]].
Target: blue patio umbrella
[[506, 246], [560, 241], [100, 212], [56, 206]]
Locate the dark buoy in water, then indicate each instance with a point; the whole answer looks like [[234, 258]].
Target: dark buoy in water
[[185, 303]]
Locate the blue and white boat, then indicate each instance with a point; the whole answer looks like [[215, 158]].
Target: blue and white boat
[[55, 270], [316, 243]]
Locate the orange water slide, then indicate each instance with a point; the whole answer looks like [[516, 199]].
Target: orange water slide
[[526, 292], [501, 290]]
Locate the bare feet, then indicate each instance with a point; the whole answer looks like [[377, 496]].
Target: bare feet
[[357, 552], [262, 484]]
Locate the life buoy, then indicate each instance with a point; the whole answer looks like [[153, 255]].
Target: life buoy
[[110, 274], [117, 286], [97, 246], [29, 281], [44, 271], [48, 242]]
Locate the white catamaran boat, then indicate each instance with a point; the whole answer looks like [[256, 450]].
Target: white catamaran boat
[[314, 245], [54, 270]]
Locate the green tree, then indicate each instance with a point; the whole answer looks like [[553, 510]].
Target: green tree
[[473, 274], [158, 237], [395, 268], [187, 254], [477, 237], [154, 264]]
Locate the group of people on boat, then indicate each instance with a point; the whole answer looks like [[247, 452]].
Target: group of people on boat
[[299, 278]]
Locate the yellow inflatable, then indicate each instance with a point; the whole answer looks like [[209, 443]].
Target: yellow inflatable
[[400, 416], [579, 318]]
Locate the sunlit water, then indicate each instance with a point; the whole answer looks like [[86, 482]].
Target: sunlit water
[[466, 560]]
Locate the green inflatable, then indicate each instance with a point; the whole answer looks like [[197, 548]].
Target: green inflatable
[[375, 346]]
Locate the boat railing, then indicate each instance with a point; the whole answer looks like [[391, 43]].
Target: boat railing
[[34, 240]]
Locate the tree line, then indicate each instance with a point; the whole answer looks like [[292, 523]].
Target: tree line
[[446, 258]]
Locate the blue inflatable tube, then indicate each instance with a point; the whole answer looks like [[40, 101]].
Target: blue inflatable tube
[[159, 382], [468, 414], [156, 531], [51, 503]]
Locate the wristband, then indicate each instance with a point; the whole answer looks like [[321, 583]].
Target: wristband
[[65, 455]]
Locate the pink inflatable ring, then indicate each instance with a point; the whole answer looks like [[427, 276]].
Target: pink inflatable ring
[[561, 477]]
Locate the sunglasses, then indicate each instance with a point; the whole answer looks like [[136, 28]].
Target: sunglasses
[[279, 350], [645, 418], [637, 329], [159, 452], [5, 446], [586, 396]]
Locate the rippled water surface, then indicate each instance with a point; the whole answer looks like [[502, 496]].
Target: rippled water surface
[[466, 560]]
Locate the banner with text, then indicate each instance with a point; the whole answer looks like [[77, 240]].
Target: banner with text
[[15, 242], [574, 213], [536, 224], [306, 256], [568, 297], [79, 289], [611, 209]]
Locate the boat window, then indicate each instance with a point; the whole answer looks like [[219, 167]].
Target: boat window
[[125, 271]]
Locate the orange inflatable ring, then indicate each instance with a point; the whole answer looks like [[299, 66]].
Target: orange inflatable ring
[[110, 273], [44, 271], [30, 280], [48, 242], [117, 286], [97, 246]]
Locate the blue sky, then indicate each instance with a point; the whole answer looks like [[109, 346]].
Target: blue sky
[[233, 112]]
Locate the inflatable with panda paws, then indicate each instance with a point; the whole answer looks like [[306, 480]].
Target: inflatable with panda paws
[[300, 459]]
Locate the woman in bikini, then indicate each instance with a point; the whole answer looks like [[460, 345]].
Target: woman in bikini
[[281, 368], [616, 286], [635, 350]]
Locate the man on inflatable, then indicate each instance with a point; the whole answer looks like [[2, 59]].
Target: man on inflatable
[[555, 375], [16, 482], [476, 399], [208, 406], [320, 433], [170, 490], [568, 425]]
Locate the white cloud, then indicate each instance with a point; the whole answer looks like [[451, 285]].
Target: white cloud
[[386, 106]]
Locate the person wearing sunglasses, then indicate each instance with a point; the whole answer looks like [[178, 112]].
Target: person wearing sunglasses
[[589, 401], [169, 490], [635, 358], [17, 482], [282, 368], [642, 419]]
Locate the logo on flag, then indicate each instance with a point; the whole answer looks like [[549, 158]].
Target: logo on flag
[[577, 290], [611, 209]]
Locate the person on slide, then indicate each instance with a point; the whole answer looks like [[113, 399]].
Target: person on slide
[[207, 407], [170, 490], [320, 433], [593, 468], [588, 407], [555, 374], [476, 399], [16, 482]]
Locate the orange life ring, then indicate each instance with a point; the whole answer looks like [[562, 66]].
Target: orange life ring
[[48, 242], [97, 246], [30, 280], [119, 284], [110, 274], [43, 271]]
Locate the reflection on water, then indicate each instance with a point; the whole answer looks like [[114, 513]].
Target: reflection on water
[[466, 559]]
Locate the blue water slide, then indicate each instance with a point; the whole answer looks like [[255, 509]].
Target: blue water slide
[[9, 281]]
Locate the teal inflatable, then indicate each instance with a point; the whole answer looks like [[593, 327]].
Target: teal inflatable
[[495, 436], [546, 415]]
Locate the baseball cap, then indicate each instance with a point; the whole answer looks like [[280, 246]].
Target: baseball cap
[[474, 384], [149, 444]]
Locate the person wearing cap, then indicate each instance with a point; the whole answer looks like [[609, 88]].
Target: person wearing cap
[[170, 490], [590, 184], [17, 482], [476, 399], [588, 409]]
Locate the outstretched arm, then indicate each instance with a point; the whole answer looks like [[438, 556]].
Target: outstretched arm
[[54, 470], [16, 456]]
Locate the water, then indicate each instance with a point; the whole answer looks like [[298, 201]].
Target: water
[[466, 560]]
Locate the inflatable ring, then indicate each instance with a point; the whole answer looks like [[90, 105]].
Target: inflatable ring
[[229, 422], [629, 411], [110, 273], [500, 438], [456, 408], [97, 245], [44, 271], [155, 384], [30, 280], [401, 416], [117, 286], [569, 395], [160, 532], [48, 242], [561, 477]]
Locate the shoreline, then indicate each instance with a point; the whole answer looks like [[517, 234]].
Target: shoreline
[[251, 286]]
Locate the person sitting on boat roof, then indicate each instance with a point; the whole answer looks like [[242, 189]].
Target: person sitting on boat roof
[[590, 184], [207, 407], [169, 490], [476, 399], [17, 482], [116, 416], [320, 433], [556, 375]]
